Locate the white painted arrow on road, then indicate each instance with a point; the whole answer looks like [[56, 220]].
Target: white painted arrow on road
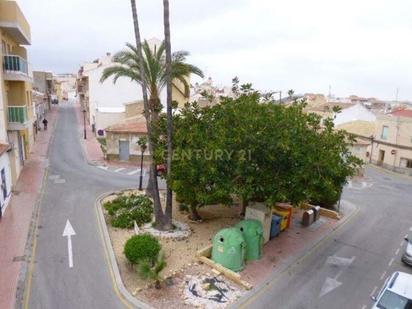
[[330, 284], [69, 232]]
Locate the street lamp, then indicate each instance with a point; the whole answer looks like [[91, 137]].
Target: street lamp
[[143, 145], [84, 123]]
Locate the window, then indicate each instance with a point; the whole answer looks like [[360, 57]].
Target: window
[[384, 134], [409, 163], [392, 300]]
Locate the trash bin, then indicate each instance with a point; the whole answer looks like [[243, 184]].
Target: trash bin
[[284, 215], [316, 210], [308, 217], [286, 207], [229, 249], [275, 226], [252, 231], [262, 213]]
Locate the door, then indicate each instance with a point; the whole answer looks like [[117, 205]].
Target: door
[[3, 183], [381, 157], [3, 187], [124, 150], [21, 149]]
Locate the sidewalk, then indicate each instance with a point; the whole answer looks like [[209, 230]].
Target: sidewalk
[[15, 224], [91, 146]]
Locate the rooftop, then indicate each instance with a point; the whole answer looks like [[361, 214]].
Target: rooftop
[[403, 285], [132, 125], [402, 113], [360, 127]]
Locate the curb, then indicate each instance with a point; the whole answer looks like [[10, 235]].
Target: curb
[[243, 302], [30, 245], [118, 285]]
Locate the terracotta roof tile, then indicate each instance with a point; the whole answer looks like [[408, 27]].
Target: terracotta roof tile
[[128, 127], [402, 113]]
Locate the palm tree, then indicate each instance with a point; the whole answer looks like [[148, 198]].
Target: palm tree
[[169, 192], [153, 177], [155, 76], [153, 79]]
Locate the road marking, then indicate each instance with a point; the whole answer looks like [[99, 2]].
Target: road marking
[[133, 172], [397, 251], [373, 291], [106, 250], [120, 169], [339, 261], [58, 181], [401, 244], [364, 307], [391, 262], [298, 260], [330, 284], [54, 177], [103, 167], [69, 232], [383, 275]]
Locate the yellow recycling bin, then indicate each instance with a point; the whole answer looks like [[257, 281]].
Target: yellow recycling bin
[[284, 215]]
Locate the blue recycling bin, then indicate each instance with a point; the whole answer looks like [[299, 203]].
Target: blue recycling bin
[[275, 226]]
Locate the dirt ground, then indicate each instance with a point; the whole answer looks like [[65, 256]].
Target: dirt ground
[[180, 255]]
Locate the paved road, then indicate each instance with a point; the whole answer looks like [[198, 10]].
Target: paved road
[[71, 189], [353, 263]]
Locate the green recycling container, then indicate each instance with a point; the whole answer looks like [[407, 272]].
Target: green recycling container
[[252, 231], [228, 249]]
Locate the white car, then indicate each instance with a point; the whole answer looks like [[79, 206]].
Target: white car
[[407, 256], [396, 293]]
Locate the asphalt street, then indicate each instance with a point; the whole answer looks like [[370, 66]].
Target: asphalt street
[[69, 194], [353, 263], [342, 272]]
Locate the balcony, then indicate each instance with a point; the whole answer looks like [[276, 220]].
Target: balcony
[[16, 68], [13, 22], [17, 117]]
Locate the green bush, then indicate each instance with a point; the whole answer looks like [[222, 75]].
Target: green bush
[[124, 210], [141, 248]]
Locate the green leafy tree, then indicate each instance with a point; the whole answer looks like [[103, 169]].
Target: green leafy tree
[[272, 153]]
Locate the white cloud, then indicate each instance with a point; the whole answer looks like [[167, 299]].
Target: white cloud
[[360, 47]]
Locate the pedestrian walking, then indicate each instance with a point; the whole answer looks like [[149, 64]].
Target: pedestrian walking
[[45, 122]]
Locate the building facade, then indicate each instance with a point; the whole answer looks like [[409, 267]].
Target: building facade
[[392, 142], [17, 111], [105, 102]]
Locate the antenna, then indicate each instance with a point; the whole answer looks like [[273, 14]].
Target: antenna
[[397, 94], [330, 92]]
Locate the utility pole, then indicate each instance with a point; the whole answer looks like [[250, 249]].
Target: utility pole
[[280, 97]]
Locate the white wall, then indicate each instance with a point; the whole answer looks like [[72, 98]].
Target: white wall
[[104, 120], [5, 163], [354, 113], [108, 94]]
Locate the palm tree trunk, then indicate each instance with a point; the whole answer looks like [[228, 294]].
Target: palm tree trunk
[[169, 193], [159, 215]]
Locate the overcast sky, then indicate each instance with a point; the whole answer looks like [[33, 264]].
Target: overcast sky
[[361, 47]]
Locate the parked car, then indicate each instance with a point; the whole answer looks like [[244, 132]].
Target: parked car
[[407, 255], [396, 293]]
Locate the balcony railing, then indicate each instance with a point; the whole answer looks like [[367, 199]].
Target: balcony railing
[[18, 114], [15, 64]]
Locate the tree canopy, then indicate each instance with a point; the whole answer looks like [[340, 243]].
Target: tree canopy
[[258, 150]]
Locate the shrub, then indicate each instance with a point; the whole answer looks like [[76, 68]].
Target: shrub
[[124, 210], [141, 248], [148, 271]]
